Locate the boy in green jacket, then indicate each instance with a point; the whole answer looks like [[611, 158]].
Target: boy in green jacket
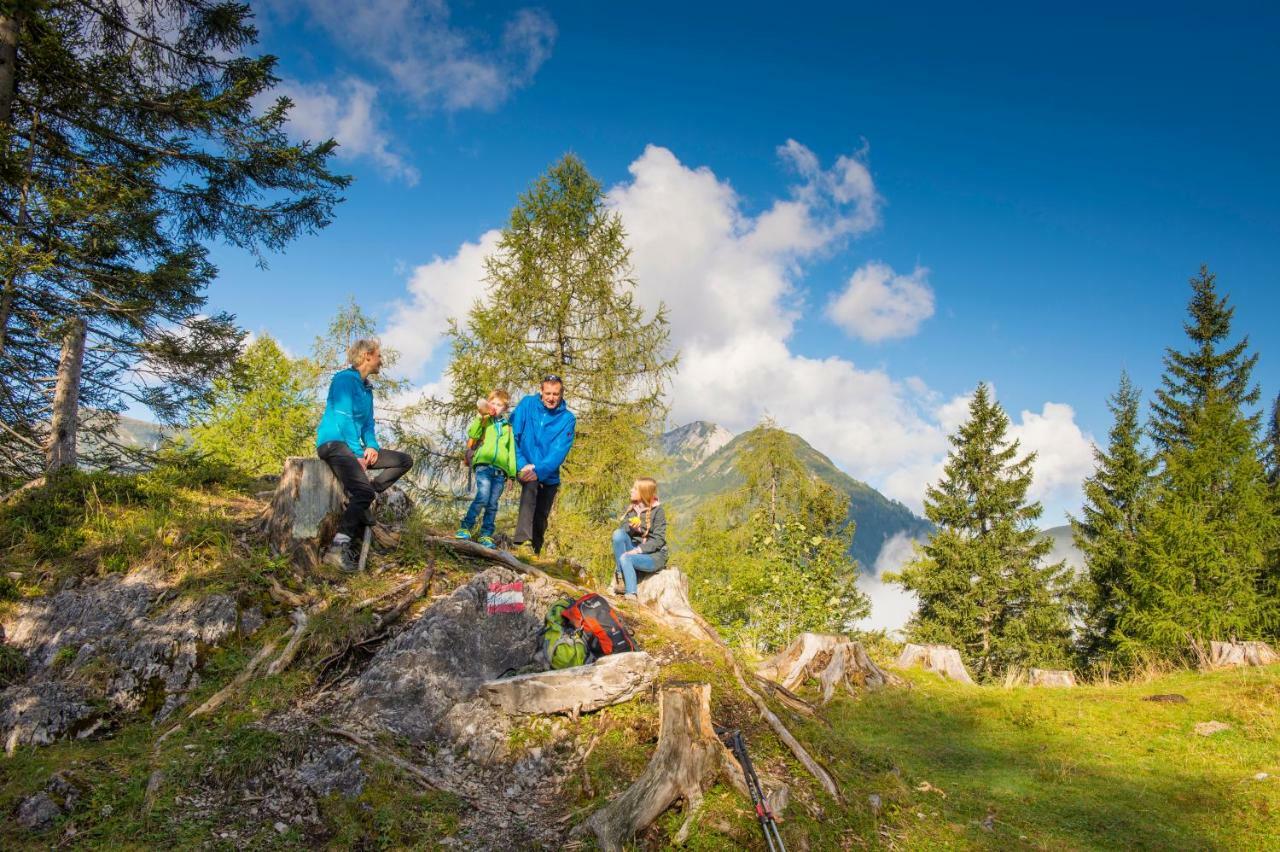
[[491, 449]]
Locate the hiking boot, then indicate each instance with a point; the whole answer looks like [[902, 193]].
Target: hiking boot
[[465, 535], [632, 597], [487, 541], [339, 556], [619, 584]]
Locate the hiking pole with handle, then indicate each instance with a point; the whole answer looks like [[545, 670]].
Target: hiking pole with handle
[[772, 836]]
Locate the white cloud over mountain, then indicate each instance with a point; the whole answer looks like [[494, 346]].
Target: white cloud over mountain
[[732, 280]]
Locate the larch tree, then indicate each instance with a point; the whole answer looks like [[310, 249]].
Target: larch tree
[[771, 560], [981, 579], [1106, 532], [131, 133], [561, 300]]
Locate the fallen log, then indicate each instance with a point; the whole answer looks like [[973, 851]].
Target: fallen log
[[688, 760], [833, 660], [942, 659], [610, 680], [502, 557], [1241, 654]]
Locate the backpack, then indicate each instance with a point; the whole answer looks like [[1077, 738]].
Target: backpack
[[603, 628], [562, 644]]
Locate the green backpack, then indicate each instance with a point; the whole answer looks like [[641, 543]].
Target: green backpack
[[562, 644]]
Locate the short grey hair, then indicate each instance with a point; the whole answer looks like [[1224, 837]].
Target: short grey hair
[[361, 348]]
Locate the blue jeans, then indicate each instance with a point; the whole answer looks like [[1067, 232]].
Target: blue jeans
[[628, 564], [489, 483]]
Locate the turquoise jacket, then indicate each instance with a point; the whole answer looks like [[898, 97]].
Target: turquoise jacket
[[543, 437], [348, 412]]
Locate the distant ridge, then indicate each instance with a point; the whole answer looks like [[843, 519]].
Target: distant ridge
[[693, 481]]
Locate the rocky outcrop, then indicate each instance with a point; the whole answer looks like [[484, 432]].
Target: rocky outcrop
[[107, 648]]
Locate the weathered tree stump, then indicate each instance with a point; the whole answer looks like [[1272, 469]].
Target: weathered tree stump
[[1051, 677], [942, 659], [833, 660], [667, 593], [688, 759], [304, 511], [1241, 654], [581, 689]]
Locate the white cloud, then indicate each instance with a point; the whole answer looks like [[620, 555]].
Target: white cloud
[[438, 63], [439, 290], [346, 111], [891, 605], [879, 304], [1064, 456]]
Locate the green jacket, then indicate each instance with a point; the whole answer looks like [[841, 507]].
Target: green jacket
[[497, 445], [654, 542]]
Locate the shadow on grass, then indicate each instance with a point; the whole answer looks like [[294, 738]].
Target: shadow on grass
[[1036, 778]]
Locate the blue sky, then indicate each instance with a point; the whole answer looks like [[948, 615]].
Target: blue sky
[[1000, 195]]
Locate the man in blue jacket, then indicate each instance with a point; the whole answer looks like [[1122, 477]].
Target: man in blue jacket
[[345, 439], [543, 426]]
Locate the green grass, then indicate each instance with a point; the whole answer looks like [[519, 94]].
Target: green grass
[[1088, 768]]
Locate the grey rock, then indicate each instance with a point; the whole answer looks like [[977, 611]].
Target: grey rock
[[37, 812], [334, 770], [127, 659], [251, 621]]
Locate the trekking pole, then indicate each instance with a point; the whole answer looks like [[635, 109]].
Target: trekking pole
[[772, 836]]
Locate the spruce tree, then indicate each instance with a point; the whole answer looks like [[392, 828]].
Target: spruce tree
[[1107, 531], [1273, 444], [561, 300], [1209, 366], [1199, 573], [130, 135], [981, 580], [771, 560]]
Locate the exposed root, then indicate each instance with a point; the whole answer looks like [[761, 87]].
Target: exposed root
[[413, 770], [218, 698]]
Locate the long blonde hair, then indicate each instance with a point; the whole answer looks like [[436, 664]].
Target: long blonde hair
[[647, 488]]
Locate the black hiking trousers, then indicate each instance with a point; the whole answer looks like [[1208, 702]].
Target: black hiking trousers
[[362, 486], [535, 507]]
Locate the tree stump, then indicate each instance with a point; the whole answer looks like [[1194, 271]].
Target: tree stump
[[833, 660], [688, 759], [1051, 677], [581, 689], [942, 659], [304, 511], [667, 593], [1241, 654]]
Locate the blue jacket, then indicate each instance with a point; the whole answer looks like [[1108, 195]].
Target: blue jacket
[[543, 437], [348, 412]]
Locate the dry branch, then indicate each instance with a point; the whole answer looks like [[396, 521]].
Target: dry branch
[[216, 700], [417, 772], [502, 557]]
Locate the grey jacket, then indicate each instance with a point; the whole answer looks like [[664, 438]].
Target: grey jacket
[[654, 543]]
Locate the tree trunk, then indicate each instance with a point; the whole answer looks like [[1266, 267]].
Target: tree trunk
[[9, 25], [667, 593], [1051, 677], [66, 398], [1241, 654], [687, 761], [305, 510], [942, 659]]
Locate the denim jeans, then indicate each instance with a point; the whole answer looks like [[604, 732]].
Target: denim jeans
[[489, 483], [629, 563]]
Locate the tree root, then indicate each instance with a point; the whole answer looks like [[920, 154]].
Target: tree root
[[688, 759], [413, 770], [492, 554]]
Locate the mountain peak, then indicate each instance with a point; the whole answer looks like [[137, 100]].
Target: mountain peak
[[693, 442]]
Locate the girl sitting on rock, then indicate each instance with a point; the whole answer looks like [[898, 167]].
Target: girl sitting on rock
[[640, 542]]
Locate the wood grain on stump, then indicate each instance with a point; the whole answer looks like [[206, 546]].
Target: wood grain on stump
[[304, 510], [667, 593], [1051, 677], [833, 660], [1241, 654], [942, 659]]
